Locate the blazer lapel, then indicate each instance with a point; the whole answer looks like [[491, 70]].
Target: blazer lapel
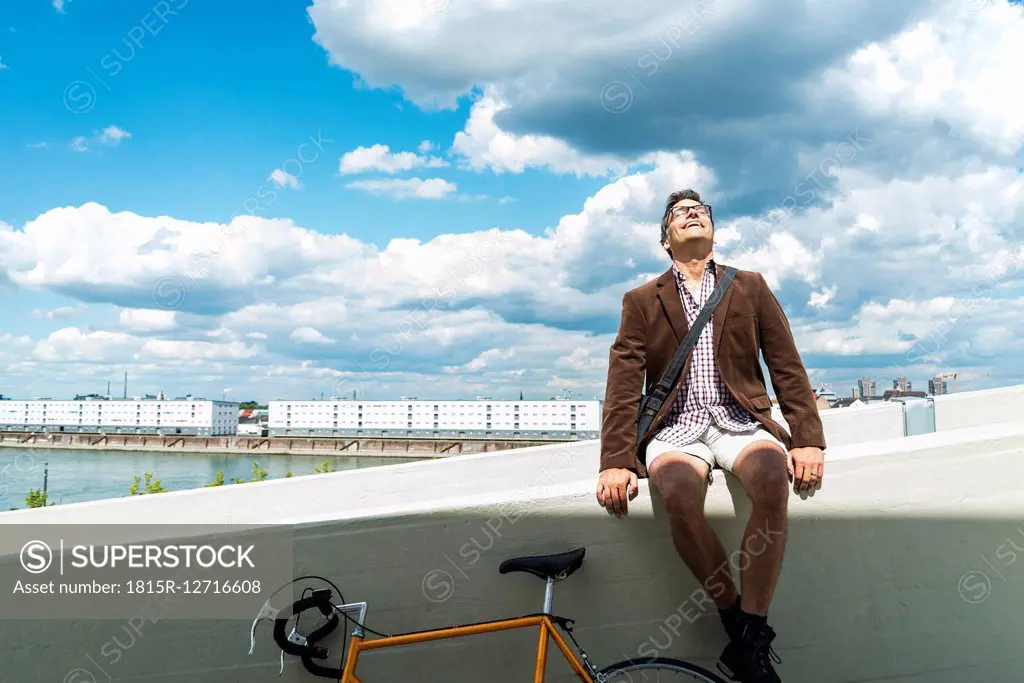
[[718, 317], [668, 293]]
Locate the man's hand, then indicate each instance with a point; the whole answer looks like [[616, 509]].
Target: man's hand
[[808, 467], [615, 488]]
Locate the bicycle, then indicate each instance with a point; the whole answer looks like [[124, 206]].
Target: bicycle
[[552, 568]]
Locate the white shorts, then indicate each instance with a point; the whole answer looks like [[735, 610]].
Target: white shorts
[[715, 446]]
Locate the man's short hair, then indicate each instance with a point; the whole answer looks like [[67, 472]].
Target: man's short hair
[[672, 200]]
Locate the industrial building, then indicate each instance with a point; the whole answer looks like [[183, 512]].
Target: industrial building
[[186, 416], [558, 419]]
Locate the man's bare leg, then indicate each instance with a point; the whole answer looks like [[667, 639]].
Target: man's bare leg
[[682, 481], [762, 469]]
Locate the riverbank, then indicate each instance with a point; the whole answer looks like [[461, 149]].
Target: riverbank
[[74, 476], [149, 448], [248, 445]]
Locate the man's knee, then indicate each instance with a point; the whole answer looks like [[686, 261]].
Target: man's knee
[[762, 467], [682, 482]]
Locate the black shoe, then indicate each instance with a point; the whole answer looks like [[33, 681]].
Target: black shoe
[[749, 658]]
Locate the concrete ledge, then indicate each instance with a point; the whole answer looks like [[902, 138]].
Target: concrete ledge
[[975, 408], [845, 426], [903, 567], [887, 420], [529, 473]]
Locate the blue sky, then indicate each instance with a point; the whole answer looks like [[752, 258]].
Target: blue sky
[[131, 135], [221, 92]]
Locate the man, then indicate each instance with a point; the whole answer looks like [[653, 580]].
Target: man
[[718, 415]]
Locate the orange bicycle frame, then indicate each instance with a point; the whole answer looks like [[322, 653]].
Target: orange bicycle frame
[[547, 630]]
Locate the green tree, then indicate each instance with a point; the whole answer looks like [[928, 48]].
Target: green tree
[[325, 467], [37, 499], [258, 473], [151, 486], [288, 474]]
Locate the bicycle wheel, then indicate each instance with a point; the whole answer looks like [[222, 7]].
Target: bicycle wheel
[[656, 670]]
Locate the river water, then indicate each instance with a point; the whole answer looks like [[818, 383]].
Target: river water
[[82, 475]]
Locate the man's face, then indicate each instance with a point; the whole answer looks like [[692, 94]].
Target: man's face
[[690, 220]]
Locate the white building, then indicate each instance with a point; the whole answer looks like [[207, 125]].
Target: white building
[[452, 419], [183, 416]]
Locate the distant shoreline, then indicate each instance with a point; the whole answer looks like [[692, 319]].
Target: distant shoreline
[[419, 449], [157, 448]]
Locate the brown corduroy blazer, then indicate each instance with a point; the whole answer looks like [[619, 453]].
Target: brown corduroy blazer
[[747, 322]]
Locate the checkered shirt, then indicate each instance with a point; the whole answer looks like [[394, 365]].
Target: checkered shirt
[[703, 396]]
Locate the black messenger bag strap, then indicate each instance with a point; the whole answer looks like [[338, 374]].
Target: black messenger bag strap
[[651, 403]]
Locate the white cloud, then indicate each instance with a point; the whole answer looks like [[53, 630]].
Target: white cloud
[[58, 5], [147, 320], [435, 60], [959, 227], [488, 358], [310, 335], [8, 341], [380, 158], [615, 95], [72, 344], [328, 288], [821, 299], [953, 67], [406, 188], [655, 46], [282, 179], [89, 246], [184, 351], [2, 65], [504, 308], [581, 361], [61, 312], [222, 334], [111, 136], [483, 145]]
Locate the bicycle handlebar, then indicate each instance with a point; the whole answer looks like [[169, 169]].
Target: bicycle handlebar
[[294, 643], [303, 645]]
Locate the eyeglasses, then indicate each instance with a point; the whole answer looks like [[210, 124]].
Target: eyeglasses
[[699, 209]]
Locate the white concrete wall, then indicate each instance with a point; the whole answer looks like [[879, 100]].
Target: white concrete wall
[[973, 408], [874, 421], [872, 587], [868, 422]]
